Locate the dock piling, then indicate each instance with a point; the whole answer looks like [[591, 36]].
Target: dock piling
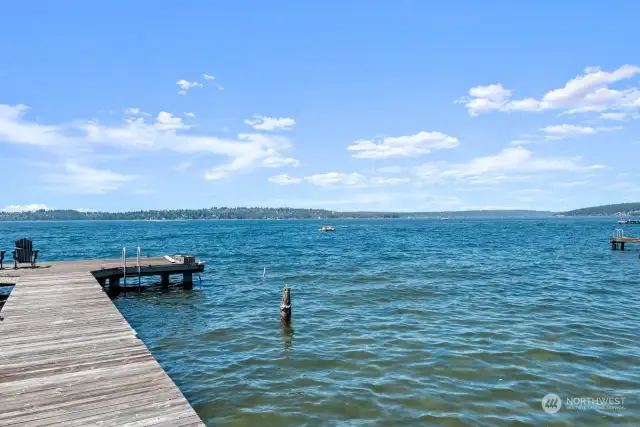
[[114, 285], [124, 267], [138, 267], [165, 280], [187, 281], [285, 305]]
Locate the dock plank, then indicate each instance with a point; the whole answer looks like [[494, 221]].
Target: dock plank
[[69, 358], [625, 239]]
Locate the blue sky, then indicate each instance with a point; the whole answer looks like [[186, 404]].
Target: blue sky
[[359, 105]]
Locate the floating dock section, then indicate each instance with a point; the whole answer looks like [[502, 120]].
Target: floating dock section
[[617, 243], [619, 239]]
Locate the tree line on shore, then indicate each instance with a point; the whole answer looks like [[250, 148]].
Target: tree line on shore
[[192, 214], [243, 213], [620, 209]]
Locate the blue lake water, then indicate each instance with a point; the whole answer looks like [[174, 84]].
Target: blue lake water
[[395, 322]]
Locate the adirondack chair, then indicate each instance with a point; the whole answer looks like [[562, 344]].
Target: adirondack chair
[[24, 253], [2, 258]]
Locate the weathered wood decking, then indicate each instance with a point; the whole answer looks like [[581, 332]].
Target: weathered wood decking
[[69, 358]]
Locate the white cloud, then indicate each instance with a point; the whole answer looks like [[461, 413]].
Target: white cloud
[[608, 128], [265, 154], [520, 142], [13, 129], [187, 114], [390, 169], [584, 93], [135, 112], [510, 164], [492, 92], [572, 184], [402, 146], [167, 121], [217, 173], [85, 180], [277, 161], [185, 85], [270, 123], [613, 116], [568, 130], [247, 151], [383, 180], [211, 79], [25, 208], [351, 180], [485, 98], [83, 210], [579, 88], [333, 178], [284, 179]]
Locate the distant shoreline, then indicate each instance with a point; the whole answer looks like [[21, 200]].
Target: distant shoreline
[[425, 218], [253, 214], [284, 213]]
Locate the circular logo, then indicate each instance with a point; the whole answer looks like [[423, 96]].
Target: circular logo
[[551, 403]]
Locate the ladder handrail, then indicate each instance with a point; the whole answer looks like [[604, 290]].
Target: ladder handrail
[[138, 265], [124, 267]]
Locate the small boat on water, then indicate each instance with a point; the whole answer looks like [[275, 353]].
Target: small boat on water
[[629, 221], [327, 228]]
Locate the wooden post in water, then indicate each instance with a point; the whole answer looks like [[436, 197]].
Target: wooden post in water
[[138, 265], [285, 305], [124, 267], [187, 280], [114, 285], [165, 280]]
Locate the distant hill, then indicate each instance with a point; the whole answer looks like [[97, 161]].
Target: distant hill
[[462, 214], [253, 213], [619, 209]]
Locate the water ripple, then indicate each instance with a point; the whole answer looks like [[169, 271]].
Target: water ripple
[[455, 323]]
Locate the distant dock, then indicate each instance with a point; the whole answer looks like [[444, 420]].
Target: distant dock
[[619, 239], [68, 356]]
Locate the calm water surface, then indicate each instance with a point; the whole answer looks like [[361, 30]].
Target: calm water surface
[[460, 322]]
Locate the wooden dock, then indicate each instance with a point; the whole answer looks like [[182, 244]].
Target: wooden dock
[[618, 242], [68, 357]]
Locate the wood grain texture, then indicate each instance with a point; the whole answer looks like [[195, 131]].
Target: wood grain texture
[[69, 358]]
